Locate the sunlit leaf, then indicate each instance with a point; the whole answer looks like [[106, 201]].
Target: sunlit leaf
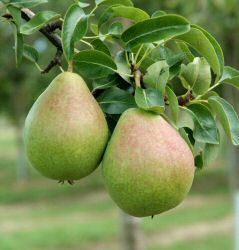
[[115, 101], [173, 103], [157, 76], [94, 64], [75, 26], [38, 21], [156, 29], [196, 76], [230, 76], [128, 12], [150, 99], [227, 116]]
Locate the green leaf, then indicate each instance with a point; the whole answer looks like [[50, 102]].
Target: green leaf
[[184, 48], [208, 94], [75, 26], [199, 118], [215, 45], [158, 13], [164, 53], [198, 161], [16, 14], [127, 12], [230, 76], [105, 82], [40, 20], [116, 29], [173, 103], [157, 76], [150, 100], [114, 2], [196, 75], [200, 42], [115, 101], [227, 116], [26, 3], [122, 66], [100, 46], [185, 136], [156, 29], [83, 5], [205, 129], [210, 153], [30, 53], [94, 64], [94, 29]]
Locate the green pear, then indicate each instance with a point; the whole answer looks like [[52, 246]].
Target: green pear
[[66, 131], [147, 167]]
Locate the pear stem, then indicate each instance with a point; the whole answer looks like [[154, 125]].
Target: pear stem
[[71, 66], [137, 78]]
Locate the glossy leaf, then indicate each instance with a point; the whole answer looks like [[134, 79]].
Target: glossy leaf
[[196, 76], [75, 26], [16, 14], [100, 46], [156, 29], [83, 5], [208, 95], [128, 12], [227, 116], [199, 118], [26, 3], [40, 20], [114, 2], [230, 76], [158, 13], [157, 76], [200, 42], [116, 29], [123, 67], [173, 103], [94, 64], [150, 99], [94, 29], [30, 53], [215, 45], [184, 48], [105, 82], [164, 53], [115, 101]]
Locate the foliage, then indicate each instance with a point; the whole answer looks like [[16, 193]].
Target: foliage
[[142, 61]]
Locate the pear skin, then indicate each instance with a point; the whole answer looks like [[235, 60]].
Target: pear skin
[[147, 167], [65, 131]]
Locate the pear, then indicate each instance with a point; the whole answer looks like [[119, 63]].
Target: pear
[[65, 131], [147, 167]]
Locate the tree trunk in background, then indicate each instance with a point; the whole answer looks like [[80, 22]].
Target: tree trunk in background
[[132, 235]]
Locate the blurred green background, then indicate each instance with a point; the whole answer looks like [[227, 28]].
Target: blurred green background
[[40, 214]]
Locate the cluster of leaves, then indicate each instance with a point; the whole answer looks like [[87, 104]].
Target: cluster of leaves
[[161, 63]]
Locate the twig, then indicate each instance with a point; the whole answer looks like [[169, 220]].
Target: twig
[[48, 32], [52, 37], [54, 62]]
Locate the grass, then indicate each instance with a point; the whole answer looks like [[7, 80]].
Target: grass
[[42, 215]]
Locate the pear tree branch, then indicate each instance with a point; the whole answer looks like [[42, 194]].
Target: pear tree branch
[[48, 32]]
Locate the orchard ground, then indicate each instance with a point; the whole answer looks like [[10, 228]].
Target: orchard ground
[[41, 214]]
